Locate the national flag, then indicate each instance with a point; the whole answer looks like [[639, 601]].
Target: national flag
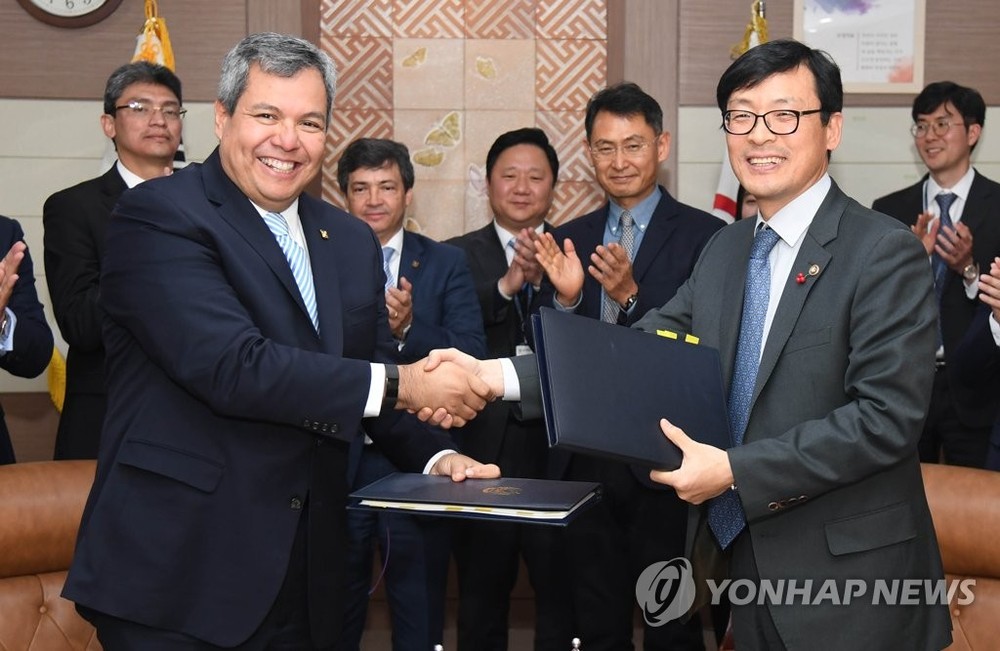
[[724, 206]]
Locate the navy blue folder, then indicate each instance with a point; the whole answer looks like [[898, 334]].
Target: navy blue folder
[[511, 499], [605, 388]]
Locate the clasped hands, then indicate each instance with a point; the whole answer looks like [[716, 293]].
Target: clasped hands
[[953, 245], [448, 388]]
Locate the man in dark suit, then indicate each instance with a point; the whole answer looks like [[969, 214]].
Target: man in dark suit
[[948, 122], [521, 172], [432, 304], [977, 358], [142, 116], [826, 337], [633, 267], [25, 338], [245, 333]]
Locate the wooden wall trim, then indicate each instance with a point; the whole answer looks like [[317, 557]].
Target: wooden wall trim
[[643, 47]]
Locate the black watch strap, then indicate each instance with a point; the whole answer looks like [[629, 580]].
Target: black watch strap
[[391, 393]]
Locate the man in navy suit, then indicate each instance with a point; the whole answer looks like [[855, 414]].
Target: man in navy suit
[[977, 358], [246, 337], [432, 304], [142, 117], [947, 125], [638, 523], [25, 337]]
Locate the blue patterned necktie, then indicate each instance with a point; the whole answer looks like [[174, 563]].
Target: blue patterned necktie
[[944, 201], [725, 512], [387, 253], [298, 262], [940, 267], [626, 237]]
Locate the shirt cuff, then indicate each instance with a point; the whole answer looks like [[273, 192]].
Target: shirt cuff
[[502, 295], [376, 391], [971, 289], [433, 460], [511, 385], [995, 329], [567, 308], [7, 342]]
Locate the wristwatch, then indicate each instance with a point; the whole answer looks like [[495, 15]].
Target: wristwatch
[[970, 272], [629, 302], [391, 392]]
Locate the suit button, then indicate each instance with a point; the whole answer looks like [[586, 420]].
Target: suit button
[[324, 428], [306, 423], [334, 428], [296, 504], [773, 506]]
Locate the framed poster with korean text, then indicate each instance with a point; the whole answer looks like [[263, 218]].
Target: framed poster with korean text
[[878, 44]]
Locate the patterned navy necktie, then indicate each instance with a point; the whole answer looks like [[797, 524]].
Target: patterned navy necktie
[[725, 512]]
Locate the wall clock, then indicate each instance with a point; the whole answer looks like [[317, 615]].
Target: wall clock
[[70, 13]]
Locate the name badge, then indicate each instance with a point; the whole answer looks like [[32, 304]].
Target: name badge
[[522, 349]]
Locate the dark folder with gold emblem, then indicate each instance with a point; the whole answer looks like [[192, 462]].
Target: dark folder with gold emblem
[[605, 388], [512, 499]]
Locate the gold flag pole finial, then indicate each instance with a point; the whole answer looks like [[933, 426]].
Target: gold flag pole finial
[[756, 30]]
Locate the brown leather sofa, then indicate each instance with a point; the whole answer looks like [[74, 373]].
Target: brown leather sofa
[[40, 508], [965, 505]]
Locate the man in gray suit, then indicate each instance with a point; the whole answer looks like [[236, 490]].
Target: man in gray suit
[[823, 479]]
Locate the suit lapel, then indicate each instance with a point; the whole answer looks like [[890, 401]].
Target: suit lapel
[[323, 254], [731, 310], [112, 187], [236, 209], [979, 204], [592, 237], [411, 259], [821, 232], [661, 227]]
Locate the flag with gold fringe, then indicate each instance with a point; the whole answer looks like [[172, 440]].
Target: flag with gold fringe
[[153, 42], [724, 206]]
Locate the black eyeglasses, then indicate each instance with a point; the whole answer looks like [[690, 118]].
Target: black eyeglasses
[[138, 109], [780, 122]]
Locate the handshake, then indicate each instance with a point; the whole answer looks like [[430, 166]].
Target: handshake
[[448, 388]]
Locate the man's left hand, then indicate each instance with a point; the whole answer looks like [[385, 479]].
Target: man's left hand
[[704, 473], [460, 467], [399, 302], [955, 247], [610, 266]]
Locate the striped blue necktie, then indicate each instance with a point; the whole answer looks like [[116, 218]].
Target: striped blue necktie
[[387, 253], [725, 512], [298, 262]]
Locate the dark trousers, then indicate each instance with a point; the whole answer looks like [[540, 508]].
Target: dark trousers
[[415, 553], [944, 434], [753, 628], [632, 527], [487, 556], [285, 628]]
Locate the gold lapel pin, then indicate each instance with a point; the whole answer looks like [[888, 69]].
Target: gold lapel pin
[[814, 270], [415, 264], [324, 234]]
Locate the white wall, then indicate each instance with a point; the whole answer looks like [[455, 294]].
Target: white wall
[[50, 145]]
